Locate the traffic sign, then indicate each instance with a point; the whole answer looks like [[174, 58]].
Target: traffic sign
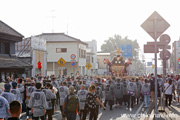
[[61, 62], [165, 54], [160, 22], [150, 49], [165, 39], [155, 25], [152, 66], [73, 64], [179, 66], [88, 66], [73, 56], [179, 59], [160, 45]]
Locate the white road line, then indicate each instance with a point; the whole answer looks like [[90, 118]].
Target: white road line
[[140, 107]]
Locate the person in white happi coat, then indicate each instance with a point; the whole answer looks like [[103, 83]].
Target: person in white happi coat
[[82, 93], [63, 92]]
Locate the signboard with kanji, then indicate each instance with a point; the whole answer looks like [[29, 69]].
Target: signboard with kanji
[[61, 62], [149, 63], [126, 49], [88, 66]]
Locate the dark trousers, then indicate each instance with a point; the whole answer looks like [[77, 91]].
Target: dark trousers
[[137, 100], [142, 97], [132, 100], [24, 106], [37, 118], [110, 102], [119, 101], [97, 109], [49, 113], [83, 114], [93, 115], [57, 98], [71, 116], [125, 99], [53, 101], [61, 109], [27, 111], [168, 98]]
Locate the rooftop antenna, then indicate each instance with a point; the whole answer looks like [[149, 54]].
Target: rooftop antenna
[[53, 16]]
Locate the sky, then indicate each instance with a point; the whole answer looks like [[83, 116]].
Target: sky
[[90, 19]]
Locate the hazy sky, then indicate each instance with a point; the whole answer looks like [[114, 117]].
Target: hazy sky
[[90, 19]]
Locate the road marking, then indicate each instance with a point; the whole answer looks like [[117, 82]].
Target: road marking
[[140, 107]]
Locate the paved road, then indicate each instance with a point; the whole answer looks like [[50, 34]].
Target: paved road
[[116, 114]]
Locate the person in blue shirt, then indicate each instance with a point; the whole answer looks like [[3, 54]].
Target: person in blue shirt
[[6, 94], [4, 106]]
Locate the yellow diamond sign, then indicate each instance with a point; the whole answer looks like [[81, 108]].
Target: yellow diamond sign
[[152, 66], [88, 66], [61, 62]]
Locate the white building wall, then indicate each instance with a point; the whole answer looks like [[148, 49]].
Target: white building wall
[[54, 57], [33, 63], [100, 60], [45, 63], [92, 50], [82, 61], [72, 48]]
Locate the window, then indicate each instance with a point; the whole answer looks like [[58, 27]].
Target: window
[[92, 60], [82, 53], [88, 59], [79, 52], [60, 50], [4, 48]]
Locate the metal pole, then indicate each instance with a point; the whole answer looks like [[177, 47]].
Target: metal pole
[[164, 73], [155, 46], [164, 77], [74, 72]]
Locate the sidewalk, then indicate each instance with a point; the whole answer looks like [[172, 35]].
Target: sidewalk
[[171, 113]]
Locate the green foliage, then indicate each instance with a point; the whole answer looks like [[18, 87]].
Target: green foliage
[[112, 43]]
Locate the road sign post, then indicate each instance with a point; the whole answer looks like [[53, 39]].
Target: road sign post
[[88, 66], [155, 25], [73, 57], [61, 62]]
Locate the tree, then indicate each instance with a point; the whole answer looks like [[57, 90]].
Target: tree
[[112, 43]]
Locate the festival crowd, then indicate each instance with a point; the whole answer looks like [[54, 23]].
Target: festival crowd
[[39, 97]]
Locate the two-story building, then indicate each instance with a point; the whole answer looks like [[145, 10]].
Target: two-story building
[[102, 67], [70, 49], [10, 65], [92, 57], [33, 50], [175, 57]]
